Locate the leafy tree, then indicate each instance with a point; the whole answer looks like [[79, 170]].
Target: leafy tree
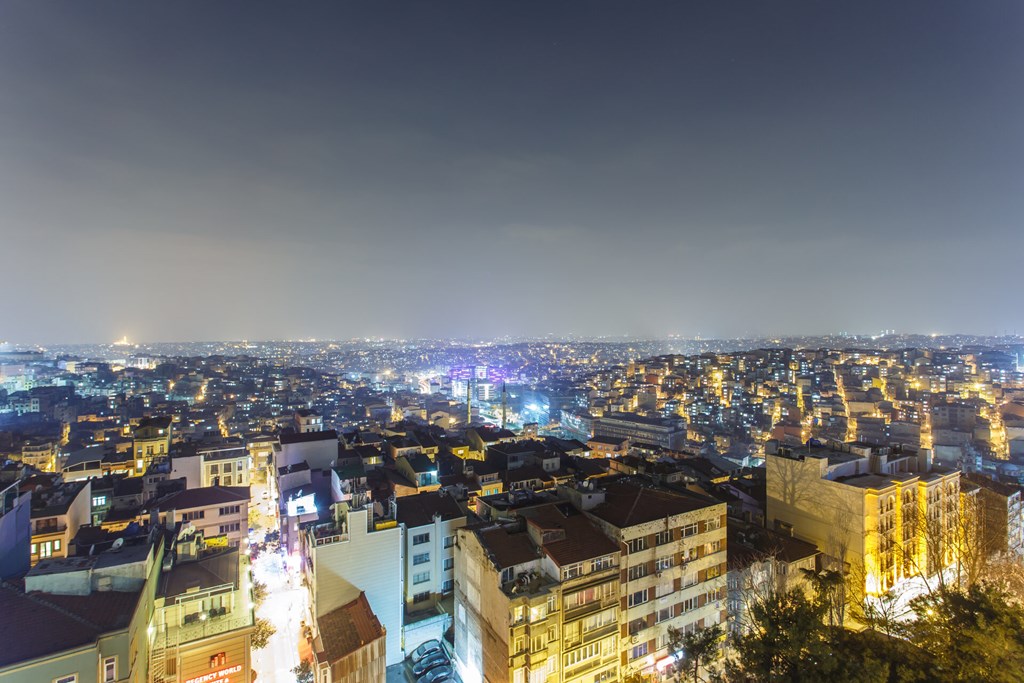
[[974, 635], [303, 672], [259, 592], [261, 633], [701, 647], [785, 641]]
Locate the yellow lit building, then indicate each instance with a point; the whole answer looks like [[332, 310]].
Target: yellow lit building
[[151, 439], [887, 515]]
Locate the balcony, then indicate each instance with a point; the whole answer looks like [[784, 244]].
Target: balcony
[[326, 534], [596, 605], [201, 625]]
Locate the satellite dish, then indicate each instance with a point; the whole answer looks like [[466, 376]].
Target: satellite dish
[[118, 544]]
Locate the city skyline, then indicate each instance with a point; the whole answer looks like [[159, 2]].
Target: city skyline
[[250, 171]]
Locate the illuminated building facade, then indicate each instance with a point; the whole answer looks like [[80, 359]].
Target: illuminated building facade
[[673, 568], [203, 616], [888, 515], [537, 600], [151, 439]]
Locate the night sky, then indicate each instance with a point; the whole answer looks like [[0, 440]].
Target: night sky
[[221, 170]]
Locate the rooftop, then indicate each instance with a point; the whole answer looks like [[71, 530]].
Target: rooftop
[[628, 504], [346, 629]]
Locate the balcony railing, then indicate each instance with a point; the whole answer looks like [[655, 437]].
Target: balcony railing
[[210, 626]]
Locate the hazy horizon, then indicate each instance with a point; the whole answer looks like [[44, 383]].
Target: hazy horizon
[[724, 170]]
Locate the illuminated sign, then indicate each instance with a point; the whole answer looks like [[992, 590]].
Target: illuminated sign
[[217, 542], [222, 676]]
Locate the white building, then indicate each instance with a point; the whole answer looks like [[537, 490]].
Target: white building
[[430, 521], [357, 551]]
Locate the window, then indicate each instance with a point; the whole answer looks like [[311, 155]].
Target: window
[[690, 604], [421, 597], [663, 563], [214, 469], [422, 558], [449, 563], [99, 501], [601, 563], [422, 577], [109, 670], [712, 547], [419, 539], [637, 544], [227, 480], [449, 541], [637, 625], [227, 528], [56, 544], [714, 571], [713, 524], [572, 571], [638, 651], [195, 514], [448, 586], [70, 678], [663, 615], [689, 530], [45, 549], [584, 653], [231, 510], [637, 572], [637, 598], [663, 537]]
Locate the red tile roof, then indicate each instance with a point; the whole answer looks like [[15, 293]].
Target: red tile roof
[[348, 628]]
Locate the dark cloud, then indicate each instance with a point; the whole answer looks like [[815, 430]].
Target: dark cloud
[[248, 170]]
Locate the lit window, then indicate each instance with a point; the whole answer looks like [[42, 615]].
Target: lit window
[[110, 670]]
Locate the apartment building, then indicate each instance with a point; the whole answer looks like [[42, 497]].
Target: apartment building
[[203, 615], [537, 600], [761, 561], [349, 647], [637, 428], [673, 569], [213, 463], [356, 551], [220, 513], [430, 522], [151, 439], [887, 514], [82, 619], [57, 514], [1001, 515]]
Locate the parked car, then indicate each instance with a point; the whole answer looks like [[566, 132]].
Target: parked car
[[427, 648], [429, 662], [438, 674]]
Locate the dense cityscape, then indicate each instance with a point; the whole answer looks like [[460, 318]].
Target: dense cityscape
[[543, 510], [511, 342]]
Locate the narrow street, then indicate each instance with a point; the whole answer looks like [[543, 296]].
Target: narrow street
[[284, 608]]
